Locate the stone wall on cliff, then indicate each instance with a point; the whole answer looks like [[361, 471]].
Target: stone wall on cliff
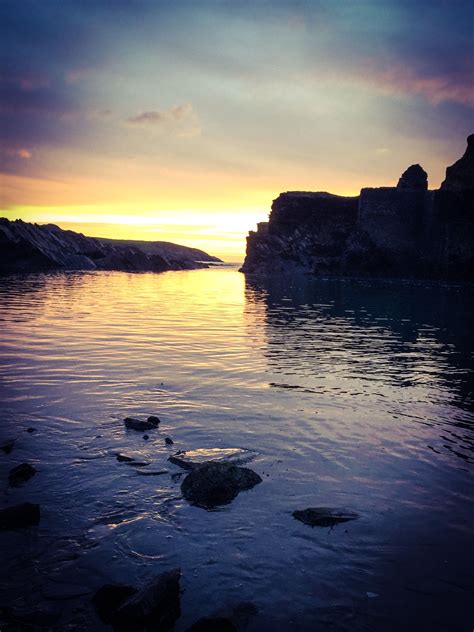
[[403, 231]]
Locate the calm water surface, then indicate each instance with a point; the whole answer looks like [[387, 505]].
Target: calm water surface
[[354, 394]]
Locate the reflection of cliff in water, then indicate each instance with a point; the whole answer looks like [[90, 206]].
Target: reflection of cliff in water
[[398, 334]]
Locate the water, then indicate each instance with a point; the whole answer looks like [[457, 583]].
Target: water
[[354, 394]]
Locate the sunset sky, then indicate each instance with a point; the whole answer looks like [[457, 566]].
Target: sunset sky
[[182, 120]]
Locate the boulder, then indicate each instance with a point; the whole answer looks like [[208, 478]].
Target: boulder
[[20, 474], [18, 516], [155, 607], [137, 424], [190, 459], [323, 516], [213, 484]]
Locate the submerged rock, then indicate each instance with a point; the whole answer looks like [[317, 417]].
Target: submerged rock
[[323, 516], [31, 430], [7, 446], [137, 424], [190, 459], [213, 484], [17, 516], [169, 441], [109, 598], [155, 607], [20, 474]]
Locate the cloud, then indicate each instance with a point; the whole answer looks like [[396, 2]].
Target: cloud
[[435, 87], [180, 119], [158, 118]]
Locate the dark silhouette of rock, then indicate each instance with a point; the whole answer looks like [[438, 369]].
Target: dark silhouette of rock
[[213, 624], [137, 424], [17, 516], [25, 246], [31, 430], [109, 598], [155, 607], [153, 419], [20, 474], [213, 484], [460, 175], [323, 516], [169, 441], [403, 231], [7, 446], [415, 177]]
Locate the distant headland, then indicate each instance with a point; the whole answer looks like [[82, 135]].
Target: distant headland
[[26, 247], [405, 231]]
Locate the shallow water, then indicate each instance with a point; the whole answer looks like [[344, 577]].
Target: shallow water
[[355, 394]]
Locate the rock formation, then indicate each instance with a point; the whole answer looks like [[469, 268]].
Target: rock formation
[[403, 231], [30, 247]]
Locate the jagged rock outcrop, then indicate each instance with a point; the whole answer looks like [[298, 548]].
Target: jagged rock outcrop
[[29, 247], [403, 231]]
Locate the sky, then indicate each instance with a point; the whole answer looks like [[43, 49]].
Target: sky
[[183, 120]]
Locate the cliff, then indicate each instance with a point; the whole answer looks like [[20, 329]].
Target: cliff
[[403, 231], [30, 247]]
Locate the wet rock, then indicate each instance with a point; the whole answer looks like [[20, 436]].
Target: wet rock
[[17, 516], [20, 474], [145, 437], [155, 607], [137, 424], [213, 484], [122, 458], [169, 441], [153, 419], [109, 598], [323, 516], [7, 446], [153, 473], [213, 624], [190, 459], [31, 430]]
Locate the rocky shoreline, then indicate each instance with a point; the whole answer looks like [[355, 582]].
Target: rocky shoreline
[[405, 231], [213, 477], [26, 247]]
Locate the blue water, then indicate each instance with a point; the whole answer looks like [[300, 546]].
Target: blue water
[[354, 394]]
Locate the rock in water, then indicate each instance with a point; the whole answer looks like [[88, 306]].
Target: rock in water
[[155, 607], [213, 484], [169, 441], [20, 474], [109, 598], [17, 516], [323, 516], [153, 420], [137, 424], [7, 446]]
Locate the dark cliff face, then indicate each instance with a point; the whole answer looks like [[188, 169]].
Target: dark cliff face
[[30, 247], [403, 231]]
